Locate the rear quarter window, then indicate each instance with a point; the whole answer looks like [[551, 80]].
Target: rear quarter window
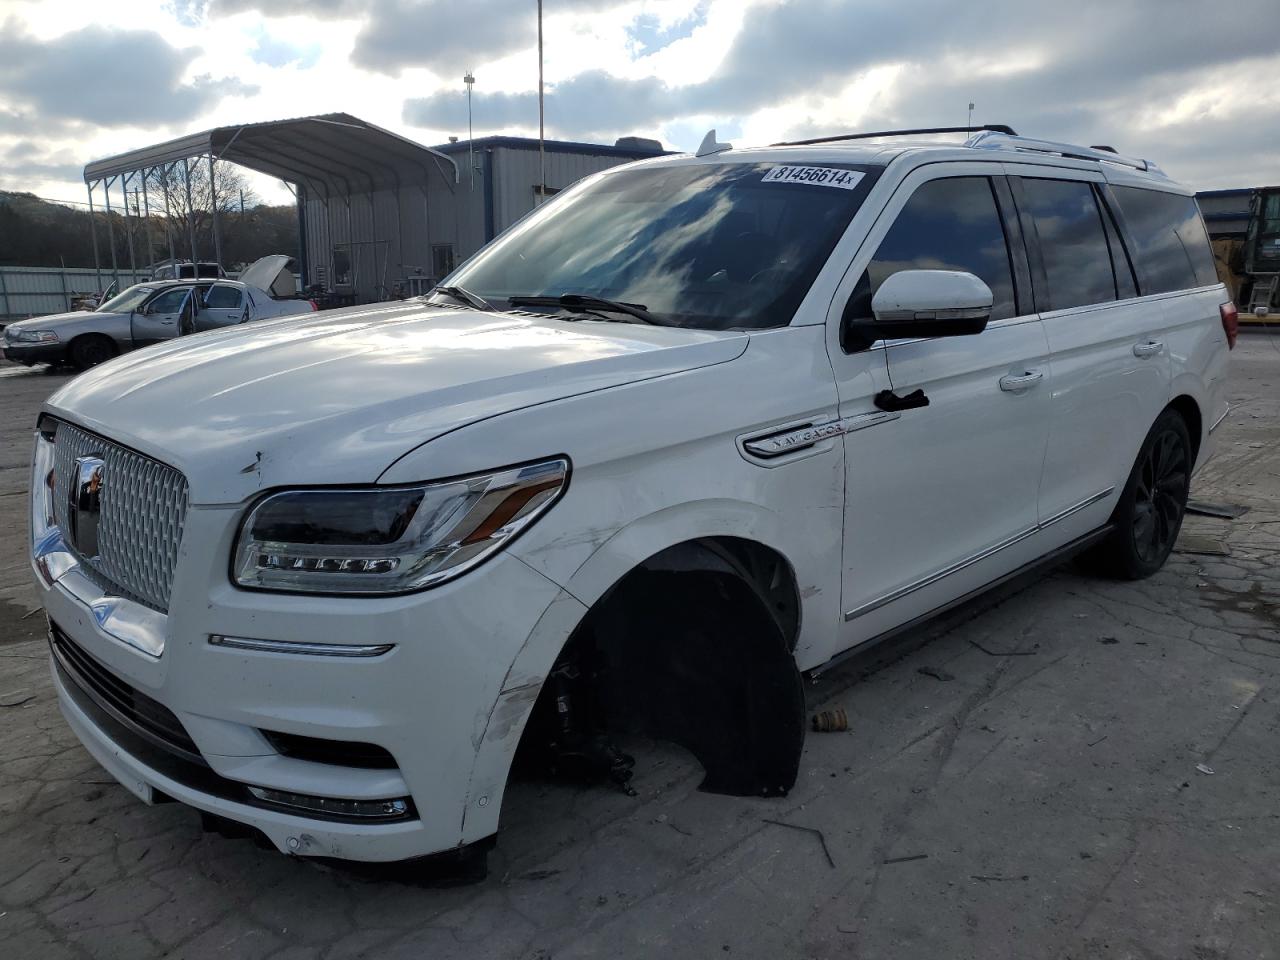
[[1170, 243], [223, 297], [1073, 242]]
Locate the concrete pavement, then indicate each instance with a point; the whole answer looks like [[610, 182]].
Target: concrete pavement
[[1053, 799]]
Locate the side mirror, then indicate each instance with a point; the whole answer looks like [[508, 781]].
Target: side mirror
[[924, 303]]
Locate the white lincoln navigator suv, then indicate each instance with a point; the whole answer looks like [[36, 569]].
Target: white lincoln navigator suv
[[666, 447]]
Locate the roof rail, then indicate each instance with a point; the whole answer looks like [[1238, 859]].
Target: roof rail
[[999, 140], [989, 128]]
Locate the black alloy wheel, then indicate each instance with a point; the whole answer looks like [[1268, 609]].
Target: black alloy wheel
[[1160, 495], [91, 350], [1148, 516]]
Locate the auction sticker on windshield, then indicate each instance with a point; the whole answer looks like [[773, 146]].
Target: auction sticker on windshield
[[814, 176]]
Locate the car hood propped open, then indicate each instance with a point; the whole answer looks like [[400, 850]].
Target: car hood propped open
[[272, 274]]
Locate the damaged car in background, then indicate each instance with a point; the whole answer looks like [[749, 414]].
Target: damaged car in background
[[681, 438], [155, 311]]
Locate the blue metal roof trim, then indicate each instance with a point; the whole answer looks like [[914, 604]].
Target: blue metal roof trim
[[551, 146], [1232, 192]]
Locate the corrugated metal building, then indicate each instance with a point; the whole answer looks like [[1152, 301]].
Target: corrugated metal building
[[379, 215], [368, 245], [500, 177], [406, 238]]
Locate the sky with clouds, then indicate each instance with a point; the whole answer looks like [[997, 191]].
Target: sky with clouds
[[1179, 81]]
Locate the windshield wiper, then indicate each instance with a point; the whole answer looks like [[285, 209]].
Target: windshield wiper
[[587, 302], [463, 295]]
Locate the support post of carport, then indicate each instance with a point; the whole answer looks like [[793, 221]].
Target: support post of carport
[[213, 212], [351, 247], [191, 215], [146, 211], [128, 227], [93, 238], [111, 233], [168, 211], [304, 265]]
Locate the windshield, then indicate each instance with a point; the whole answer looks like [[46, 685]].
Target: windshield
[[130, 299], [715, 246]]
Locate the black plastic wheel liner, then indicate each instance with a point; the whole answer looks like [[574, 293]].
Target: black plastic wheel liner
[[695, 657]]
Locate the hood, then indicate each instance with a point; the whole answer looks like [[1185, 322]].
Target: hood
[[56, 321], [336, 397], [271, 273]]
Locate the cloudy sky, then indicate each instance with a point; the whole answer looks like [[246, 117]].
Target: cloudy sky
[[1178, 81]]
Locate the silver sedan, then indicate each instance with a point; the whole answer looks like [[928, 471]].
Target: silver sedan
[[148, 313]]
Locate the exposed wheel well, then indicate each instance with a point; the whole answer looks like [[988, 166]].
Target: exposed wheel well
[[1189, 410], [694, 645], [85, 338], [765, 568]]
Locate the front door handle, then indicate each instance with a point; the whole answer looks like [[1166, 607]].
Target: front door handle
[[890, 402], [1021, 382], [1148, 349]]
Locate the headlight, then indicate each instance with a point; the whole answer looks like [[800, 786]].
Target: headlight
[[392, 539], [31, 336]]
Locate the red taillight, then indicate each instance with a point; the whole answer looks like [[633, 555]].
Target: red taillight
[[316, 306], [1230, 323]]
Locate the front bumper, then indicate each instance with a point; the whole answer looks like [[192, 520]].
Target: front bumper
[[427, 702], [30, 353]]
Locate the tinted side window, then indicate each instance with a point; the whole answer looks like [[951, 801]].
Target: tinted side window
[[1077, 262], [222, 297], [1172, 247], [168, 302], [950, 224]]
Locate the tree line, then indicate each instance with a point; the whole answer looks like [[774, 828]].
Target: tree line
[[39, 233]]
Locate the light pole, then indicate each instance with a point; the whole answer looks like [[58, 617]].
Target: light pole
[[469, 80], [542, 154]]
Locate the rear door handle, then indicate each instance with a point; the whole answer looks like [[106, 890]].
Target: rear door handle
[[1148, 349], [1021, 382]]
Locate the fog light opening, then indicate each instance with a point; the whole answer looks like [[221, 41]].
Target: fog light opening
[[395, 808]]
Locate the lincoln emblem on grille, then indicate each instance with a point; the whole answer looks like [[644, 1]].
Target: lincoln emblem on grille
[[86, 505]]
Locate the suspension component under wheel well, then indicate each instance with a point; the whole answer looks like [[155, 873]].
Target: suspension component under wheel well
[[1189, 410], [693, 646]]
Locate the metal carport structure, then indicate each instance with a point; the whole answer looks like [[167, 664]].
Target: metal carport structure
[[329, 160]]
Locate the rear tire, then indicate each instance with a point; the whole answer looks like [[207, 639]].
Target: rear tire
[[1149, 514], [91, 349]]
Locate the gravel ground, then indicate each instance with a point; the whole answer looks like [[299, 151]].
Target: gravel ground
[[1099, 777]]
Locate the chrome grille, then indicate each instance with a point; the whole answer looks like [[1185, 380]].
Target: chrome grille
[[144, 504]]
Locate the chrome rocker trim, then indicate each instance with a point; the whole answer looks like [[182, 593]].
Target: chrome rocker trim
[[978, 557], [1217, 423]]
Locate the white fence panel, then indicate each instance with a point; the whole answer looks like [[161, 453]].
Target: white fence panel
[[36, 291]]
